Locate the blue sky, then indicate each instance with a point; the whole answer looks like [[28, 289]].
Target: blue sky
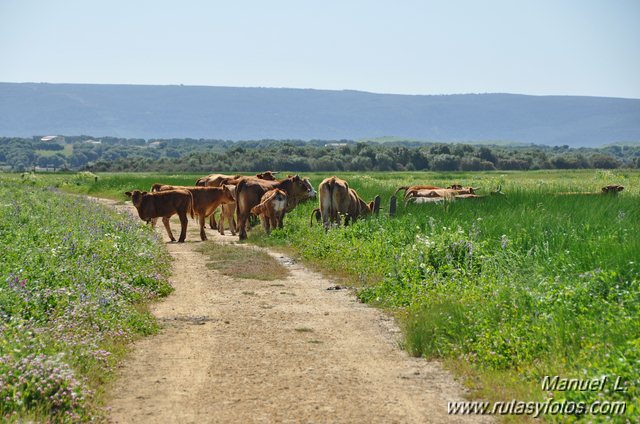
[[541, 47]]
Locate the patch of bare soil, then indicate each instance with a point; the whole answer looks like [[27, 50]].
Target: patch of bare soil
[[291, 350]]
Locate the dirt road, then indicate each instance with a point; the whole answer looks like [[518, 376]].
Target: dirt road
[[242, 351]]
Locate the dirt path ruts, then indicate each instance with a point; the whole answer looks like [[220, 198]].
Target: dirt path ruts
[[241, 351]]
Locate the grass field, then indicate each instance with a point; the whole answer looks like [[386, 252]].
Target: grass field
[[506, 289], [74, 278]]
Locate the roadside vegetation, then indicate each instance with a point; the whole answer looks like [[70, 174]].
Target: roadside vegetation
[[508, 289], [505, 289], [74, 280]]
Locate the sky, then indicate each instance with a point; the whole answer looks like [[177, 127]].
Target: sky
[[539, 47]]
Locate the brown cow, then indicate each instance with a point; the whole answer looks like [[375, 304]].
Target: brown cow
[[164, 205], [215, 180], [271, 209], [250, 191], [439, 195], [337, 199], [205, 201], [164, 187], [218, 180], [267, 175], [412, 191]]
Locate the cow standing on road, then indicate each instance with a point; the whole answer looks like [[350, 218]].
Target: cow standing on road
[[164, 205]]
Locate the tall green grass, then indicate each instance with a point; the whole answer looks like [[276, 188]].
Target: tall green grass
[[532, 283]]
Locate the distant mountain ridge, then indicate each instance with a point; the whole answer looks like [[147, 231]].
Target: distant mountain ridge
[[141, 111]]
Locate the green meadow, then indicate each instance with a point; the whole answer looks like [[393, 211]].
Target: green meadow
[[505, 289], [75, 277]]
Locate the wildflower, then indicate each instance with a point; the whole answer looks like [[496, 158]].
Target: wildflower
[[504, 241]]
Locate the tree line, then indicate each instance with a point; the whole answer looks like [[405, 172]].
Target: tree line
[[176, 155]]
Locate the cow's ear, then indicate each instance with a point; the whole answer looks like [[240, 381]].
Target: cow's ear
[[144, 192], [127, 193], [371, 204]]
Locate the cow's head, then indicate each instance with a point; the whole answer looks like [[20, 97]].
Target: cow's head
[[300, 189], [232, 189], [228, 194], [136, 197], [267, 175], [311, 193]]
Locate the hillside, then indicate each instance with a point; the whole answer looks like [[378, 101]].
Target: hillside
[[258, 113]]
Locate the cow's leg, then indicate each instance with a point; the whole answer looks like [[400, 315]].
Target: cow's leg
[[165, 221], [274, 222], [153, 222], [203, 235], [232, 223], [280, 219], [212, 221], [266, 224], [221, 221], [183, 225], [242, 224]]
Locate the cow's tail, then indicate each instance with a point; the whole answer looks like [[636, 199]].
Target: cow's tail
[[155, 187], [257, 210], [239, 188], [191, 205], [400, 188], [315, 214]]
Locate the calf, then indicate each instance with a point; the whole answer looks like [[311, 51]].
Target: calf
[[164, 205], [271, 209], [337, 200], [250, 191], [206, 200]]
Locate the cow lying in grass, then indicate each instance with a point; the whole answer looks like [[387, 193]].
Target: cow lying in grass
[[455, 192], [612, 189], [164, 205], [439, 195], [249, 192], [419, 190], [271, 209], [205, 200], [338, 200], [609, 189]]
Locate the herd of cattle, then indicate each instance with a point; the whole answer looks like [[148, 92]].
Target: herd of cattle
[[268, 198]]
